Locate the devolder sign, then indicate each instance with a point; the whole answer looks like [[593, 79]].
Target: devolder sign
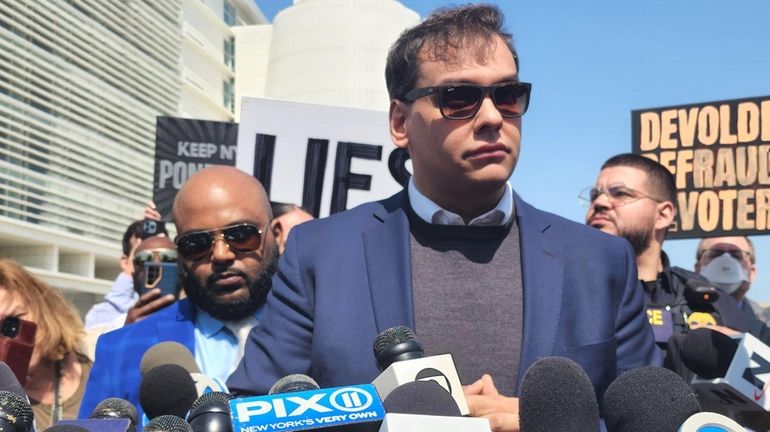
[[719, 153]]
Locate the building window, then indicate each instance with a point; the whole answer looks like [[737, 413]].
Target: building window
[[229, 53], [228, 95], [229, 13]]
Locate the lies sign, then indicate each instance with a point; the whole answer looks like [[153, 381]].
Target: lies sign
[[719, 153]]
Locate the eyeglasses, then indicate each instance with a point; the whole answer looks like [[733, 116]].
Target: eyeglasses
[[618, 194], [710, 254], [165, 255], [244, 237], [462, 101]]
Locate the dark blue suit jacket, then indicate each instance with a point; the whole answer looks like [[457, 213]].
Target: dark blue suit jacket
[[118, 354], [348, 277]]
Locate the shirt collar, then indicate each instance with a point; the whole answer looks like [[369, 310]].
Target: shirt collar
[[432, 213], [209, 326]]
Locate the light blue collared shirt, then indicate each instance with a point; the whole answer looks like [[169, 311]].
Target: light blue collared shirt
[[216, 347], [432, 213]]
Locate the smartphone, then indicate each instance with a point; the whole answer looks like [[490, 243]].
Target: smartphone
[[17, 340], [160, 275], [151, 227]]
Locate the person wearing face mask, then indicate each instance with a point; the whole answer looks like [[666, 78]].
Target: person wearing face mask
[[729, 264]]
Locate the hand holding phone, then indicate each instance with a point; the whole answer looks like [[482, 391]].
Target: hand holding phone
[[158, 290]]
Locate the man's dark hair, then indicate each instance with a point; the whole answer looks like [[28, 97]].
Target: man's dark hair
[[133, 230], [659, 179], [281, 208], [445, 32]]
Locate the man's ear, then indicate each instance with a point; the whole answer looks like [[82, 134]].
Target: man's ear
[[665, 215], [278, 234], [398, 112]]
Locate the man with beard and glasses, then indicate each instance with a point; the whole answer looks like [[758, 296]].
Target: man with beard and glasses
[[634, 197], [227, 256]]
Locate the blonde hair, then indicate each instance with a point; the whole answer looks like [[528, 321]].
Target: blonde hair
[[59, 327]]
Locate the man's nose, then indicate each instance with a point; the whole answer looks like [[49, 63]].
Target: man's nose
[[221, 252]]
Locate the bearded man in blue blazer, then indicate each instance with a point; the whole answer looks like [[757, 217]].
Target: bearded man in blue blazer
[[457, 255], [227, 256]]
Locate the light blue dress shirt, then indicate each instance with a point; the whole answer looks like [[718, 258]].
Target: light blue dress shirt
[[432, 213], [216, 347]]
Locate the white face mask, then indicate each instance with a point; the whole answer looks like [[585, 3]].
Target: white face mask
[[725, 272]]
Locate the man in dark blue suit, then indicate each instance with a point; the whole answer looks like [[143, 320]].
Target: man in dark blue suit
[[227, 256], [457, 255]]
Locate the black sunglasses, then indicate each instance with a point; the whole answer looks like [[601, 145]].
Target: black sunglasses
[[243, 237], [462, 101], [165, 255]]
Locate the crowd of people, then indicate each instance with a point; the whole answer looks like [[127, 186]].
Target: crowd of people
[[457, 255]]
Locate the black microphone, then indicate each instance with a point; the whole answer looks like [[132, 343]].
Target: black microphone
[[423, 398], [211, 413], [116, 408], [648, 399], [401, 359], [9, 382], [396, 344], [708, 353], [293, 383], [167, 390], [167, 423], [557, 395], [425, 406], [730, 371], [15, 413], [178, 354]]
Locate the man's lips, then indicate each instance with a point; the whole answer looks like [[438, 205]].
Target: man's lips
[[598, 220], [487, 151], [228, 280]]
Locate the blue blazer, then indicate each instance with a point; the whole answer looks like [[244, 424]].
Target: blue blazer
[[118, 354], [348, 277]]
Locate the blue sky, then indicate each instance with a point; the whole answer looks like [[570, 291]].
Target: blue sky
[[593, 61]]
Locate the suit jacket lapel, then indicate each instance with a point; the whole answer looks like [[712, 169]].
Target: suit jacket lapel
[[542, 268], [388, 265]]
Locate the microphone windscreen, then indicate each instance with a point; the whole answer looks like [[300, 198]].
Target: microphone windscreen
[[293, 383], [708, 353], [9, 382], [115, 408], [66, 428], [423, 398], [213, 397], [211, 413], [15, 410], [167, 423], [168, 353], [396, 344], [557, 395], [167, 390], [648, 399]]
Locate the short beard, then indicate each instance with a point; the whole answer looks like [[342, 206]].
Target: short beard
[[202, 295], [640, 240]]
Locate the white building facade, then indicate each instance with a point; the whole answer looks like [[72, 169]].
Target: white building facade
[[81, 83]]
